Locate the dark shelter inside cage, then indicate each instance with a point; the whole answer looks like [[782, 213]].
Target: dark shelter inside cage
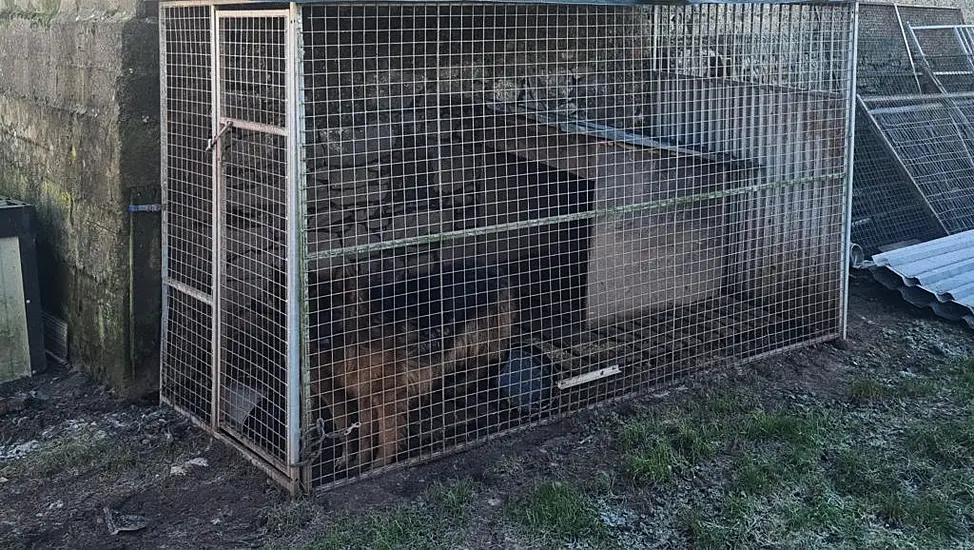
[[392, 231]]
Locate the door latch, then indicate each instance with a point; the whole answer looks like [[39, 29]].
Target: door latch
[[211, 143]]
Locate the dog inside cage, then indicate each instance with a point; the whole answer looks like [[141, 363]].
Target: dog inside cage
[[396, 348], [499, 213]]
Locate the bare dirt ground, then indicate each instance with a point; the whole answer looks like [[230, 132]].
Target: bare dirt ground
[[75, 462]]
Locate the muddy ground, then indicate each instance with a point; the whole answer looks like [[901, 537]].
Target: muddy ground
[[76, 461]]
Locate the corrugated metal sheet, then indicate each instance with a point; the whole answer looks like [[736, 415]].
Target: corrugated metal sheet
[[938, 274]]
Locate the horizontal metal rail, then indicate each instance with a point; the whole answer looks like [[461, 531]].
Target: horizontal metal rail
[[188, 290], [626, 209]]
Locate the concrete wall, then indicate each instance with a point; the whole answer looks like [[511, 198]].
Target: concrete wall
[[79, 139]]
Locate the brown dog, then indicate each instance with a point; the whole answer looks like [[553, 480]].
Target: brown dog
[[371, 370]]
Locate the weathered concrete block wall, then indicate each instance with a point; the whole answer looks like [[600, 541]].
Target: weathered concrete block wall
[[79, 139]]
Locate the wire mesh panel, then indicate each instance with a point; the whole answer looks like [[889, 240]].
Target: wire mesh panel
[[186, 374], [947, 54], [782, 109], [931, 139], [516, 211], [253, 224], [887, 64], [887, 208]]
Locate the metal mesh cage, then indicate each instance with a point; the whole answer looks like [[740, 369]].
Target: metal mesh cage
[[440, 222]]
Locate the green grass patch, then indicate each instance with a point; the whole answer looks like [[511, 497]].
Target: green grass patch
[[804, 429], [930, 514], [965, 379], [724, 403], [695, 442], [655, 452], [730, 526], [758, 473], [816, 508], [437, 521], [657, 464], [405, 528], [867, 390], [862, 472], [557, 511], [451, 500], [647, 454], [916, 388], [947, 442]]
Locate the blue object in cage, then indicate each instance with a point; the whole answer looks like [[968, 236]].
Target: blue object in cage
[[526, 379]]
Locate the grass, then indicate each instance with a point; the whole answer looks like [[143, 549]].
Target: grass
[[655, 452], [867, 390], [799, 429], [402, 528], [434, 522], [812, 477], [731, 471], [966, 377], [916, 388], [947, 442], [560, 512]]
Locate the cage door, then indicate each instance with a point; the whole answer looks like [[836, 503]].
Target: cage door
[[252, 227]]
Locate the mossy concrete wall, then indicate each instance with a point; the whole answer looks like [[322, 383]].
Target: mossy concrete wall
[[79, 103]]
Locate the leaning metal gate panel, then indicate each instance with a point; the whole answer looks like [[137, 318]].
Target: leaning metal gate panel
[[253, 90]]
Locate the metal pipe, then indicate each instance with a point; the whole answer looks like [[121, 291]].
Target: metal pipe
[[516, 2], [941, 27], [295, 228], [184, 288], [164, 198], [850, 168], [254, 126], [916, 97], [906, 44], [217, 222], [552, 220]]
